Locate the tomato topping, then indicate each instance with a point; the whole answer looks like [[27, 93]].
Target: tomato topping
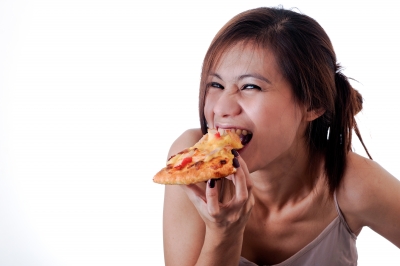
[[186, 160], [217, 135]]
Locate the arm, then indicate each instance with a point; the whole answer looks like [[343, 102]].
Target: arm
[[197, 228], [183, 228], [370, 196]]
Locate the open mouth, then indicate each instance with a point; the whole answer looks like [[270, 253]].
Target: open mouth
[[244, 134]]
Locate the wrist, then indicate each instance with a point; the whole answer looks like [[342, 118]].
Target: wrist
[[221, 248]]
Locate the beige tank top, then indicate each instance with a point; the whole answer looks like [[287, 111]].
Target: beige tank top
[[335, 246]]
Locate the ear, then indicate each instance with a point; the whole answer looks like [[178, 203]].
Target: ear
[[313, 114]]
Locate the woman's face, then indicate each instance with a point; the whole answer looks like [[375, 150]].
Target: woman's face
[[247, 91]]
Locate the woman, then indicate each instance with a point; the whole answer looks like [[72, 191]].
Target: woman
[[300, 195]]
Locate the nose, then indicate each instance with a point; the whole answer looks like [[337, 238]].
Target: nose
[[227, 104]]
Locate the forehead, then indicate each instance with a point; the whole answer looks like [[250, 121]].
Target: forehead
[[247, 57]]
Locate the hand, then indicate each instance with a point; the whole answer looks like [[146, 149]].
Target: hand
[[225, 217]]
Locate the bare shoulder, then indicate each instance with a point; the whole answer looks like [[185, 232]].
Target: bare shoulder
[[183, 228], [360, 176], [369, 196], [363, 179]]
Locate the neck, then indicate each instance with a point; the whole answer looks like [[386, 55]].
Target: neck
[[285, 181]]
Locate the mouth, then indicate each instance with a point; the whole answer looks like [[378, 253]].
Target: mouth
[[245, 135]]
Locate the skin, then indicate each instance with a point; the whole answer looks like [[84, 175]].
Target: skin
[[276, 209]]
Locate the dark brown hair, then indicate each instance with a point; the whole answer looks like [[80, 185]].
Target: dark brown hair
[[306, 58]]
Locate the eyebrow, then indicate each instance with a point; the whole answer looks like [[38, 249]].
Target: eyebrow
[[251, 75], [254, 75], [215, 75]]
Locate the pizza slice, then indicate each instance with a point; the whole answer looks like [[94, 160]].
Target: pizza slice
[[210, 158]]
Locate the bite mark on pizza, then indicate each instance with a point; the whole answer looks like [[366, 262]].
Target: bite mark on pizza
[[209, 158]]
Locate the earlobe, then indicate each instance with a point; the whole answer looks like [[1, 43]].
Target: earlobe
[[314, 114]]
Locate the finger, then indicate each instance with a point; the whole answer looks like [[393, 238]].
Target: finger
[[249, 183], [229, 177], [235, 152], [194, 192], [235, 164], [212, 197], [243, 165], [240, 180]]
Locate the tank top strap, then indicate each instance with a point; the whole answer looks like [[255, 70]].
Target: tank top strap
[[340, 214]]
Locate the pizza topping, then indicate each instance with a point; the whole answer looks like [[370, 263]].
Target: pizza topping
[[178, 167], [244, 134], [212, 131], [212, 154], [184, 162], [198, 164], [180, 157], [184, 151], [212, 145]]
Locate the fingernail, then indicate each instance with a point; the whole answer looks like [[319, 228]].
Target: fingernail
[[235, 153], [211, 183], [236, 163]]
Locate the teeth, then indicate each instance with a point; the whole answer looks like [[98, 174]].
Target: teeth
[[242, 132], [239, 132], [244, 135]]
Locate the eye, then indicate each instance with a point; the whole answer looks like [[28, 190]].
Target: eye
[[251, 87], [216, 85]]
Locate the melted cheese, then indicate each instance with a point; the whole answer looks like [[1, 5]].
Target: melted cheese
[[209, 146]]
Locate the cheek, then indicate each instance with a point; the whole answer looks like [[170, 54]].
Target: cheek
[[289, 124], [208, 109], [281, 126]]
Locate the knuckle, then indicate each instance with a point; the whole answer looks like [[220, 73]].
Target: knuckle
[[214, 215], [241, 198], [249, 185], [233, 219], [211, 193], [251, 202]]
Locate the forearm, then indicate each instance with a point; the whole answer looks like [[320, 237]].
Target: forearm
[[224, 249]]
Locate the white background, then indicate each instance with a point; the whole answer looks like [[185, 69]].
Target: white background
[[93, 93]]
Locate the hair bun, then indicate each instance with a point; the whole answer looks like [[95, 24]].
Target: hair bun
[[357, 101]]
